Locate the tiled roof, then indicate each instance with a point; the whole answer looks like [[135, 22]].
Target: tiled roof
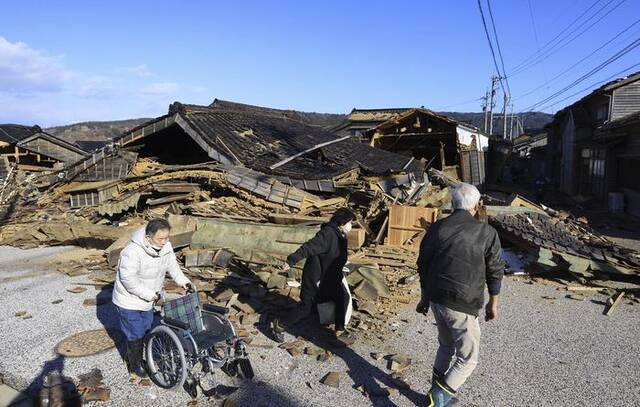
[[260, 141], [13, 133]]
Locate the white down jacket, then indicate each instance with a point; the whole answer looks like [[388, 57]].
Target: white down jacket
[[141, 272]]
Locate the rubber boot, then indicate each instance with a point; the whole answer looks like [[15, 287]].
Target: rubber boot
[[134, 354], [436, 376], [440, 395]]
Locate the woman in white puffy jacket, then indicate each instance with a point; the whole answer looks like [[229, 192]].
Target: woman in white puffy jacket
[[142, 267]]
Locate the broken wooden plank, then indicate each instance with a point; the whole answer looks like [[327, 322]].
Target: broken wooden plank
[[404, 221], [355, 238], [292, 219], [615, 300], [308, 150], [168, 199]]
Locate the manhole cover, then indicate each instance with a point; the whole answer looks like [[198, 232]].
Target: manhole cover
[[87, 343]]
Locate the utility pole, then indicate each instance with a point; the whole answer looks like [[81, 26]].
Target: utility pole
[[485, 109], [504, 115], [511, 125], [494, 82]]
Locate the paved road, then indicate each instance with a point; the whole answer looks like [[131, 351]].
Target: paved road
[[540, 352]]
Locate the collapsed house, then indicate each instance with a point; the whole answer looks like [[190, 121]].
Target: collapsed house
[[243, 186], [443, 143], [263, 140], [32, 149], [359, 121]]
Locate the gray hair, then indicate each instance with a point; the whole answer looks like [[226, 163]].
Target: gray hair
[[465, 196]]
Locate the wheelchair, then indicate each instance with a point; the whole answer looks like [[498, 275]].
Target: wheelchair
[[190, 342]]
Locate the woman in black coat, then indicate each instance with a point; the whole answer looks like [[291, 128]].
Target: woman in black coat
[[326, 255]]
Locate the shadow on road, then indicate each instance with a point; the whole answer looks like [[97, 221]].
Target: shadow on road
[[51, 388]]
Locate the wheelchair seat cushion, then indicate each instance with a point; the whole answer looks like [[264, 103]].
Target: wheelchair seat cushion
[[206, 339], [186, 309]]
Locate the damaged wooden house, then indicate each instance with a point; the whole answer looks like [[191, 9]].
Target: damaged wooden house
[[359, 121], [33, 150], [257, 148], [441, 142]]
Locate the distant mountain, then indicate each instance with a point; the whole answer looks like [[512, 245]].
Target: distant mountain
[[530, 121], [94, 131]]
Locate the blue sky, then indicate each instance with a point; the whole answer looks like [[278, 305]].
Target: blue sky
[[69, 61]]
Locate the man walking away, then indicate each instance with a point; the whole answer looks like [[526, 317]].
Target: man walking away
[[458, 256]]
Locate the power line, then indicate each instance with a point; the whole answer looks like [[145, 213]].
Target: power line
[[592, 85], [495, 34], [580, 61], [535, 35], [533, 23], [556, 37], [615, 57], [493, 54], [634, 44], [459, 103], [557, 47]]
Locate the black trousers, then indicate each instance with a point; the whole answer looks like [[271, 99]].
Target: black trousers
[[331, 289]]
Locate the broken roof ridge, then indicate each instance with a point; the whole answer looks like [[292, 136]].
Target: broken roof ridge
[[388, 109], [216, 102], [222, 105]]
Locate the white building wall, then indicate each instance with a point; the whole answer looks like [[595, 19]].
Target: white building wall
[[465, 136]]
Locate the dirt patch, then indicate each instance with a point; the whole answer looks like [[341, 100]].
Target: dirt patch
[[75, 254]]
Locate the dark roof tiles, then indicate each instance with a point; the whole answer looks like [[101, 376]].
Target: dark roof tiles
[[260, 140], [13, 133]]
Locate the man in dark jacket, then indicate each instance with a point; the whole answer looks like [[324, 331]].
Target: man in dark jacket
[[326, 255], [458, 257]]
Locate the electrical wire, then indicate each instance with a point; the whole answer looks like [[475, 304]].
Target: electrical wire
[[493, 54], [539, 50], [617, 74], [558, 47], [495, 34], [580, 61], [634, 44]]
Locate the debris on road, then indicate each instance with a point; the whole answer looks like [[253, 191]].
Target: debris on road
[[613, 302], [331, 379], [92, 388]]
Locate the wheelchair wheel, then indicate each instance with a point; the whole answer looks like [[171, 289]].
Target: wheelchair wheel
[[166, 362]]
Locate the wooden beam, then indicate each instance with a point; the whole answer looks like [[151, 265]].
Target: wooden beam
[[308, 150], [615, 301]]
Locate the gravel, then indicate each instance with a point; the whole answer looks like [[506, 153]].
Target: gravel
[[539, 351]]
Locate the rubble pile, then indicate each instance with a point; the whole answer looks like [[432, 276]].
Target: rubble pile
[[554, 239], [243, 190], [235, 218]]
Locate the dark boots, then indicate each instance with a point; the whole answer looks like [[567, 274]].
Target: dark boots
[[440, 394], [134, 354]]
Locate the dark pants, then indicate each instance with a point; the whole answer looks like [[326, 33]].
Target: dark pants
[[331, 289], [314, 291], [308, 292], [135, 324]]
